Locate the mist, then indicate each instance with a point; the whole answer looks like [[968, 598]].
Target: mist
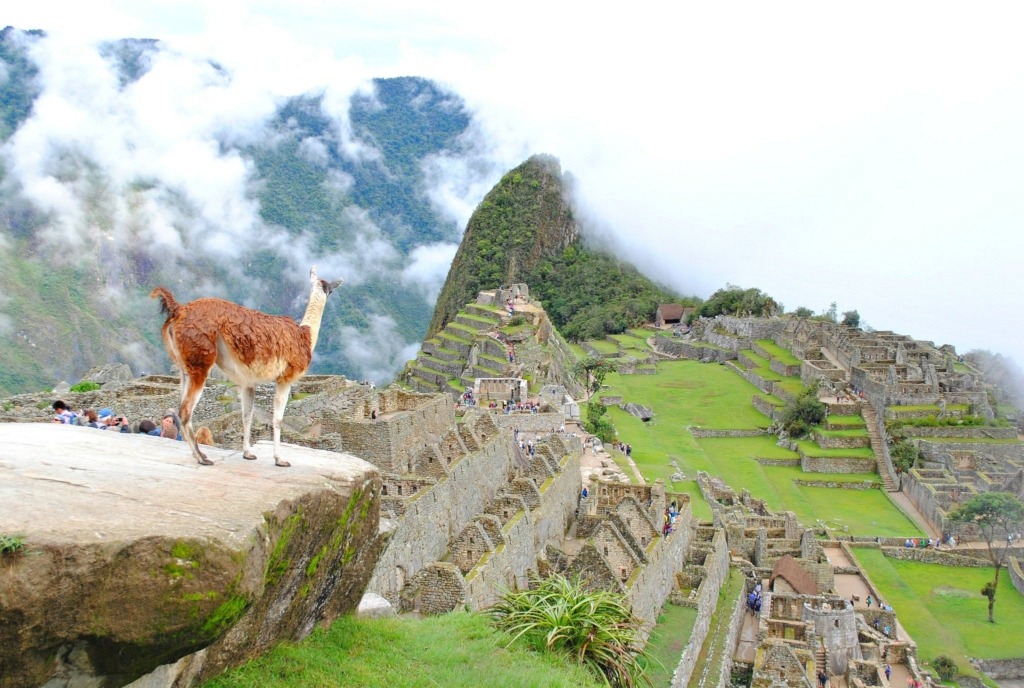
[[873, 157]]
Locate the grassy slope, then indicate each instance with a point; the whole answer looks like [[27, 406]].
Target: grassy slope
[[455, 650], [943, 611], [690, 393]]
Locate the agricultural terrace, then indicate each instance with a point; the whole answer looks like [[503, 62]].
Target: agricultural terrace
[[688, 393], [944, 612]]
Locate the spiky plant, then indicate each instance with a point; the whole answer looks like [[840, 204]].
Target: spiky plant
[[596, 627]]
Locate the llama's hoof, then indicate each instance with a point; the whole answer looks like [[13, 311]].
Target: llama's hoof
[[281, 463], [249, 456], [203, 461]]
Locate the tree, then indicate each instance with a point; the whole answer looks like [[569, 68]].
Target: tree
[[830, 314], [593, 369], [996, 515], [804, 411], [851, 318], [803, 312], [904, 456]]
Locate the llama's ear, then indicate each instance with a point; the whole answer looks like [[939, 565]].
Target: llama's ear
[[312, 275], [337, 283]]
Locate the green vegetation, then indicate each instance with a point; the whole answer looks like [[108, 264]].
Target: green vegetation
[[594, 627], [802, 412], [941, 609], [904, 456], [85, 387], [597, 421], [588, 294], [11, 544], [714, 647], [733, 300], [997, 516], [784, 356], [453, 650], [667, 641]]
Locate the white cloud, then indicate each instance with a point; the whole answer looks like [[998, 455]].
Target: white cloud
[[428, 268], [378, 352], [872, 157]]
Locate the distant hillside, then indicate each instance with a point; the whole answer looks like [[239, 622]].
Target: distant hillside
[[525, 231], [347, 192]]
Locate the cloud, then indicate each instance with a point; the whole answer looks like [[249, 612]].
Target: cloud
[[428, 268], [379, 351], [873, 158]]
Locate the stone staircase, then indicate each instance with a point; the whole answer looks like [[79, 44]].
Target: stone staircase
[[820, 660], [442, 364], [871, 420]]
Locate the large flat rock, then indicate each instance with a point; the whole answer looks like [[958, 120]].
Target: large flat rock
[[137, 556]]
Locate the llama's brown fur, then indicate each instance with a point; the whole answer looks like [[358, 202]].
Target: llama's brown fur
[[248, 346]]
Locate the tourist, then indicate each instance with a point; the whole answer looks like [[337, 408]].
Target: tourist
[[146, 427], [822, 678], [888, 672], [63, 414], [868, 601]]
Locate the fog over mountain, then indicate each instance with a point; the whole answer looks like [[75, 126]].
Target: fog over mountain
[[873, 158]]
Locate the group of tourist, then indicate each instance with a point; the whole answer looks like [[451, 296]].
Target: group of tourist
[[668, 524], [754, 600], [105, 419]]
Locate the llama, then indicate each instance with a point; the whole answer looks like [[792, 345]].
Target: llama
[[248, 346]]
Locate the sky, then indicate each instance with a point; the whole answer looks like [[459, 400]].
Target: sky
[[869, 154]]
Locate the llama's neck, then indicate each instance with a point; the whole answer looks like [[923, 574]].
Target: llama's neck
[[314, 314]]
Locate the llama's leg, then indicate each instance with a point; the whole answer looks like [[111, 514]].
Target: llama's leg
[[191, 389], [248, 397], [281, 392]]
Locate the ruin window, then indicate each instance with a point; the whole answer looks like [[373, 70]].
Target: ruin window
[[384, 490], [837, 623], [430, 459], [449, 459], [643, 540], [606, 550], [504, 515], [471, 541], [623, 573], [399, 490], [469, 553]]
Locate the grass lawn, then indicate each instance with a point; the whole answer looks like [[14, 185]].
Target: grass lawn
[[846, 432], [812, 449], [667, 642], [943, 611], [691, 393], [604, 346], [781, 355], [630, 341], [844, 421], [578, 350], [455, 649]]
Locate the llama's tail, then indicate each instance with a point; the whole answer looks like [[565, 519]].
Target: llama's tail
[[168, 305]]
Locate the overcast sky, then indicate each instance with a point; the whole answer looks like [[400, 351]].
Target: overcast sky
[[870, 154]]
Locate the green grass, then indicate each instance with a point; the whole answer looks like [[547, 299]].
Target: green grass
[[712, 652], [853, 421], [451, 650], [604, 346], [712, 396], [812, 449], [942, 609], [667, 641], [578, 350], [851, 432], [781, 355], [629, 341]]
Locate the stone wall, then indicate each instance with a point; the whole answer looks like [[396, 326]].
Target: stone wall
[[695, 351], [437, 516], [716, 566], [1002, 668], [1016, 573], [651, 586], [731, 638], [559, 371], [526, 536], [529, 422], [974, 432], [822, 464], [841, 441], [767, 408], [705, 432]]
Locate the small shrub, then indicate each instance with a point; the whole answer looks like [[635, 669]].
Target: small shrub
[[945, 667], [595, 627], [516, 321], [11, 544], [85, 387]]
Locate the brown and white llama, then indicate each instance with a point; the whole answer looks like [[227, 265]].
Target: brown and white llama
[[250, 347]]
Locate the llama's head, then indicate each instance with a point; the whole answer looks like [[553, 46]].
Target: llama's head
[[326, 286]]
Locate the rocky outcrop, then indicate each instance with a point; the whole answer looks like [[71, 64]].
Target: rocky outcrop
[[136, 557]]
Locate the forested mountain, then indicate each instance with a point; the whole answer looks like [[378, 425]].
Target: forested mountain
[[92, 219], [525, 230]]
